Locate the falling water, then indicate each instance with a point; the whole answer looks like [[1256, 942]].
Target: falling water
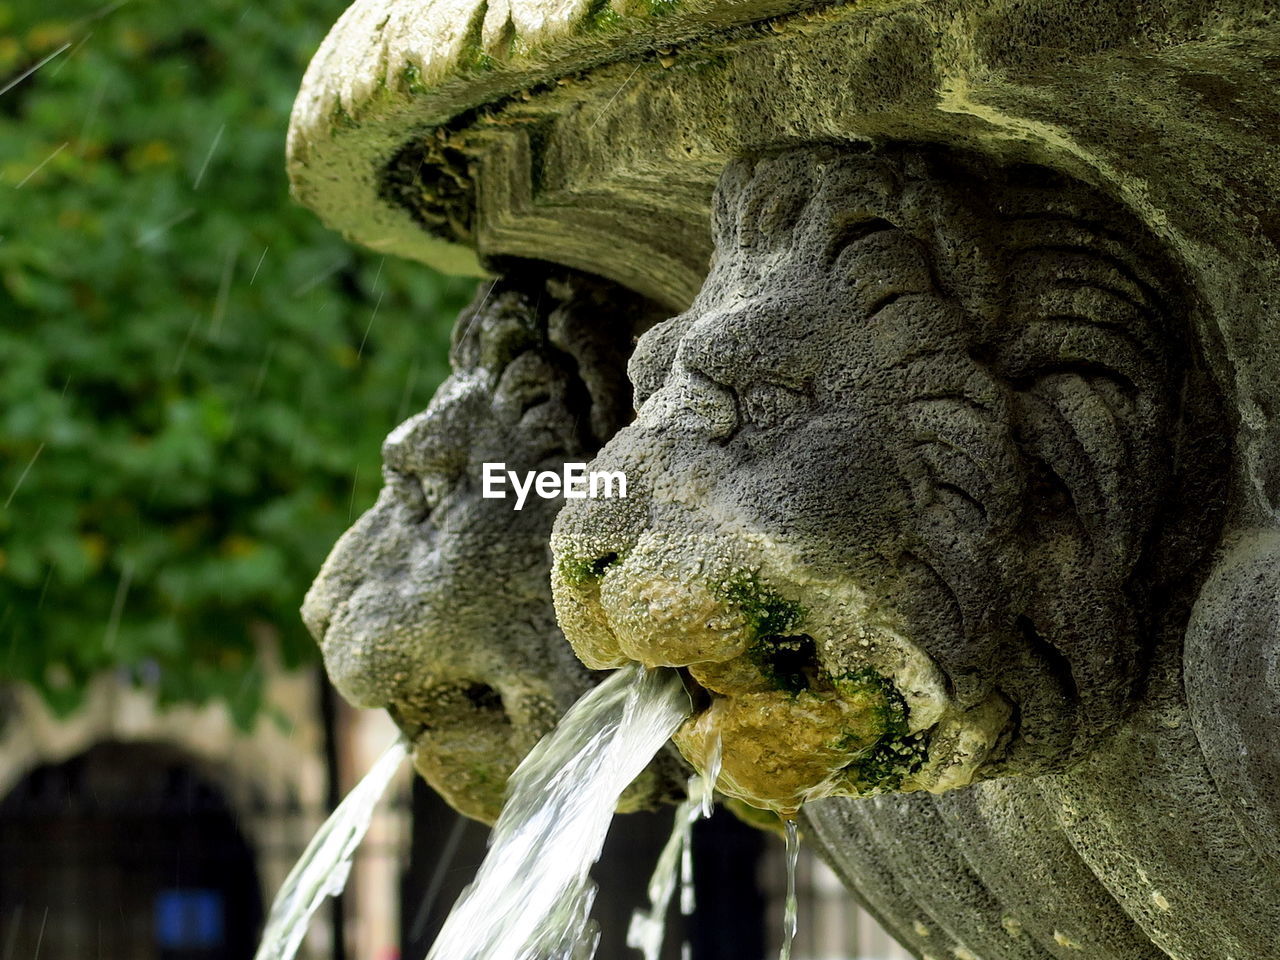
[[532, 896], [707, 781], [704, 794], [648, 926], [789, 916], [324, 866]]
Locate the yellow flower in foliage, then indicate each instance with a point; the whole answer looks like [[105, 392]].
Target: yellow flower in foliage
[[132, 42], [345, 356], [94, 546], [229, 657], [153, 153], [238, 545], [44, 37], [10, 51]]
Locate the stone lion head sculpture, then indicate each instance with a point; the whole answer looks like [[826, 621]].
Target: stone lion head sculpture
[[436, 604], [915, 483]]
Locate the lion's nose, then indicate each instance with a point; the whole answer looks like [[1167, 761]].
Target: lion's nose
[[660, 601], [591, 534]]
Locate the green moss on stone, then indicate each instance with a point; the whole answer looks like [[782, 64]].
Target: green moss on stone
[[766, 612], [661, 8], [340, 119], [576, 572], [601, 16], [471, 57], [771, 620], [411, 78], [898, 752], [581, 570], [890, 762]]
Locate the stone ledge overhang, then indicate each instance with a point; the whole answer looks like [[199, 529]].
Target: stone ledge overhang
[[390, 70]]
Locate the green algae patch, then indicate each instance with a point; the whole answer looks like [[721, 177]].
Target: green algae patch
[[580, 571], [888, 764], [660, 8], [601, 16], [897, 753], [411, 79], [785, 659], [767, 613], [341, 119]]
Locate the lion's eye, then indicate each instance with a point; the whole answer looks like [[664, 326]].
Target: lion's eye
[[434, 489], [712, 403], [769, 404], [849, 235], [419, 495], [406, 489], [651, 360]]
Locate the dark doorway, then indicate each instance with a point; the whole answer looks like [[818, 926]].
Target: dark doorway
[[124, 852]]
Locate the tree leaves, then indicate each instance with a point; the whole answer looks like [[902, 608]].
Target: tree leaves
[[192, 369]]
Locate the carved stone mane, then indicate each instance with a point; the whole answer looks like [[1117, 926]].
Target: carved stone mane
[[435, 604], [960, 389]]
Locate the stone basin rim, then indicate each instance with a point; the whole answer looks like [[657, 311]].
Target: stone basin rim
[[381, 81]]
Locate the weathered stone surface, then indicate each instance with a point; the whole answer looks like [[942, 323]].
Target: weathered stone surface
[[973, 370], [919, 422], [389, 69], [863, 310], [609, 164], [1231, 671]]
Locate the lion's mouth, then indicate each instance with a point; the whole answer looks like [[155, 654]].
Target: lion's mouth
[[849, 735], [805, 684], [699, 696], [780, 731]]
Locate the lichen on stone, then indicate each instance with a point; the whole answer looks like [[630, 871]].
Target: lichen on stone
[[411, 78], [601, 16]]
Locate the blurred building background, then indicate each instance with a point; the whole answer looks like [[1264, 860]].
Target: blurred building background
[[195, 380]]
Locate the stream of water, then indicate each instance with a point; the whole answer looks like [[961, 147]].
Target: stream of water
[[531, 899], [323, 867], [648, 926], [789, 917]]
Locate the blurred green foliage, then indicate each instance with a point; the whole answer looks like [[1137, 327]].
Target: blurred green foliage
[[195, 375]]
